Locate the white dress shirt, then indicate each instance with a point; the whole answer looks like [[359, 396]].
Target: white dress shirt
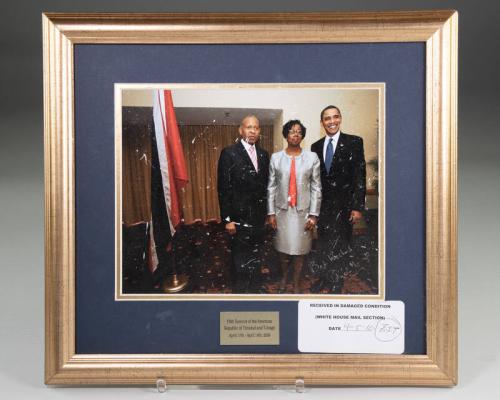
[[247, 148]]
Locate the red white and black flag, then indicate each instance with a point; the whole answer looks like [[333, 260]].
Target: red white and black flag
[[168, 176]]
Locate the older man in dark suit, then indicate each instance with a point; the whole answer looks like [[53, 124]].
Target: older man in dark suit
[[343, 179], [242, 175]]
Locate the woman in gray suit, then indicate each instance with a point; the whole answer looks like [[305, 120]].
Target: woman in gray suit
[[293, 201]]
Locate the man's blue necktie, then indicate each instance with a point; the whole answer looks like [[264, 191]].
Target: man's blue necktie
[[329, 155]]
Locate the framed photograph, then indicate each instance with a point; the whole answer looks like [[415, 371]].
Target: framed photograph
[[200, 253], [251, 198]]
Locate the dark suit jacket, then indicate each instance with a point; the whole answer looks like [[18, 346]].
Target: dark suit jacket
[[242, 190], [344, 186]]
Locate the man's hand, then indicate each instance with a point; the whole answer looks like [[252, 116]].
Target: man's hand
[[355, 217], [312, 220], [271, 220], [231, 228]]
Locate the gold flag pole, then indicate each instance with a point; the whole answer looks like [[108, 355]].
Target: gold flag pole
[[175, 282]]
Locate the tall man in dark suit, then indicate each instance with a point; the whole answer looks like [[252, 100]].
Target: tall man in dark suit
[[343, 179], [242, 175]]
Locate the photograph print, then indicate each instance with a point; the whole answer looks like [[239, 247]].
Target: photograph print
[[249, 191]]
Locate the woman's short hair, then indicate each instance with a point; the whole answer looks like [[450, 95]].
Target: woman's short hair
[[289, 125]]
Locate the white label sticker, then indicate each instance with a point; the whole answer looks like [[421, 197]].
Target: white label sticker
[[351, 326]]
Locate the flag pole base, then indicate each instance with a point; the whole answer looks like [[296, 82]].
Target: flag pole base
[[175, 283]]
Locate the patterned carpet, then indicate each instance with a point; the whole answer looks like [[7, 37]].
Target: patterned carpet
[[201, 251]]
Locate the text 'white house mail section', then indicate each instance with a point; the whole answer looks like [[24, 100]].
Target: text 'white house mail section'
[[351, 326]]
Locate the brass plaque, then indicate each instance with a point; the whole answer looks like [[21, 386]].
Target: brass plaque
[[249, 328]]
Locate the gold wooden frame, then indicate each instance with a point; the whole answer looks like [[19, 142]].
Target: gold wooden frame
[[438, 367]]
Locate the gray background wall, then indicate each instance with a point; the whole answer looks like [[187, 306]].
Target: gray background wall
[[21, 198]]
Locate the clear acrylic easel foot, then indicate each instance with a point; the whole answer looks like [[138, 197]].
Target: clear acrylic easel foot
[[161, 385], [300, 386]]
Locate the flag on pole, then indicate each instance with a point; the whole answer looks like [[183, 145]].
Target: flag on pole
[[170, 155], [168, 177]]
